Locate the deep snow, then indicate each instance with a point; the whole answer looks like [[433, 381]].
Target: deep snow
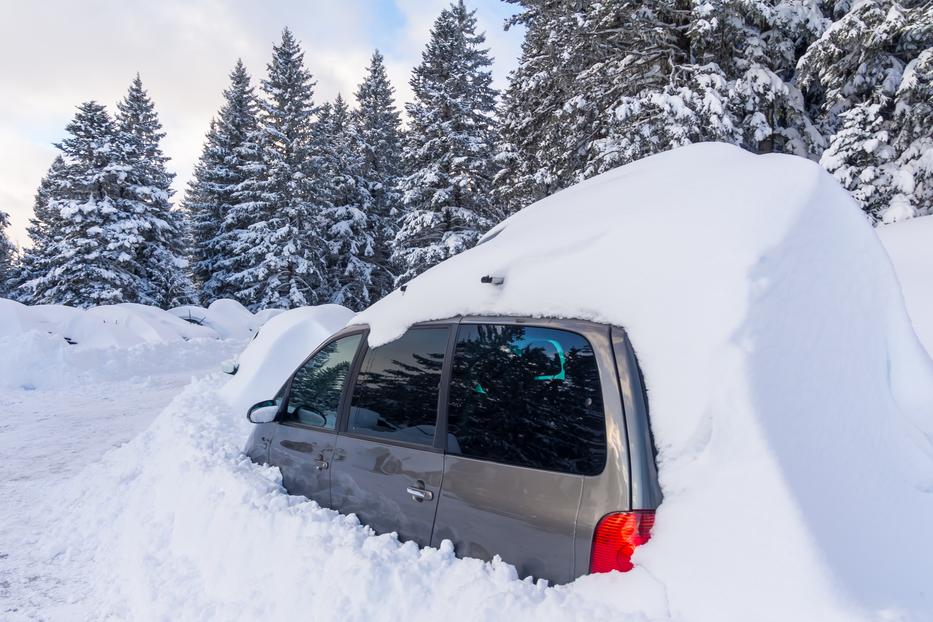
[[910, 245], [790, 398]]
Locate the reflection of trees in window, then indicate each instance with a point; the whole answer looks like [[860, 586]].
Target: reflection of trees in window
[[399, 381], [318, 384], [509, 401]]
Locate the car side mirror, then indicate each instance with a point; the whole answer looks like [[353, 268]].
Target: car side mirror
[[263, 412]]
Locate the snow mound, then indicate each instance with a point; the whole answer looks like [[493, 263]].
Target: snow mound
[[228, 318], [48, 346], [284, 342], [791, 400], [910, 245]]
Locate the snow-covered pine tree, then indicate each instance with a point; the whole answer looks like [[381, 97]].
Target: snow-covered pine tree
[[91, 250], [859, 59], [201, 206], [346, 224], [449, 148], [754, 43], [42, 228], [600, 84], [7, 255], [640, 92], [282, 249], [379, 138], [913, 118], [146, 194], [857, 68], [218, 213], [861, 156], [537, 92]]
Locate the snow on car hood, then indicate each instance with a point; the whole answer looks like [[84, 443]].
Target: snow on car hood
[[790, 399], [284, 342]]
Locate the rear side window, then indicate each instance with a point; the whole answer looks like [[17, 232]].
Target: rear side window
[[396, 392], [314, 394], [526, 396]]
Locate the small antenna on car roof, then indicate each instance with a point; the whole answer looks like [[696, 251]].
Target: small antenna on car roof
[[492, 280]]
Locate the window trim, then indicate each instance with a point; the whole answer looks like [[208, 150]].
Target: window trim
[[582, 328], [440, 441], [283, 407]]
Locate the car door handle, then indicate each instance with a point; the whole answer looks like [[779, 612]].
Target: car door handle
[[419, 494], [320, 465]]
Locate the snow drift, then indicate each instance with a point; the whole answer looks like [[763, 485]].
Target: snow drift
[[910, 244], [48, 346], [790, 399]]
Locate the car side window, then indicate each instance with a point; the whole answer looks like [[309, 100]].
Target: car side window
[[396, 393], [314, 394], [526, 396]]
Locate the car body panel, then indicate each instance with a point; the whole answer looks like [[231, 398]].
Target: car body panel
[[304, 455], [526, 516], [371, 479]]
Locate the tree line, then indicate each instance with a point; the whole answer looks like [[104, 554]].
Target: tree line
[[294, 202]]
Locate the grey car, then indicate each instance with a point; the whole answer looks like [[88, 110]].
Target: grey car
[[518, 437]]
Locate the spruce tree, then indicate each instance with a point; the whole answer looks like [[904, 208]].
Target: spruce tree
[[146, 195], [860, 158], [860, 59], [91, 250], [868, 78], [218, 214], [347, 223], [754, 43], [7, 256], [449, 148], [913, 119], [378, 133], [282, 249], [528, 165], [42, 229]]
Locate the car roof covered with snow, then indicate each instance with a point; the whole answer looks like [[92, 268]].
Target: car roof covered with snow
[[791, 401]]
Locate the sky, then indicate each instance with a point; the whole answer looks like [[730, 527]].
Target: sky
[[55, 54]]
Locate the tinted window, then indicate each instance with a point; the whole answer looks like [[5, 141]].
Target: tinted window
[[527, 396], [396, 393], [314, 395]]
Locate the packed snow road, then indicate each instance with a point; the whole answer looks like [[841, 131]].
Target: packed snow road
[[47, 437]]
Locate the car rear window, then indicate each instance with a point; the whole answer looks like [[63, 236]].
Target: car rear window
[[526, 396], [395, 396]]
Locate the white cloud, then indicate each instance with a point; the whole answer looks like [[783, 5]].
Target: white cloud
[[54, 54]]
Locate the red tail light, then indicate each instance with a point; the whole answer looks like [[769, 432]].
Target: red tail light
[[617, 535]]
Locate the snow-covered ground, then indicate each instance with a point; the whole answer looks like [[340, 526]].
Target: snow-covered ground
[[791, 402], [910, 245]]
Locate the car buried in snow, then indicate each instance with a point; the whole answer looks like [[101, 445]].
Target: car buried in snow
[[523, 438]]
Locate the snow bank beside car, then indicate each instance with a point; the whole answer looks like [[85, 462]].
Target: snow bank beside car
[[178, 524], [910, 245], [53, 345]]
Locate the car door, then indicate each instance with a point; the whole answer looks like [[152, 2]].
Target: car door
[[305, 435], [524, 427], [388, 464]]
